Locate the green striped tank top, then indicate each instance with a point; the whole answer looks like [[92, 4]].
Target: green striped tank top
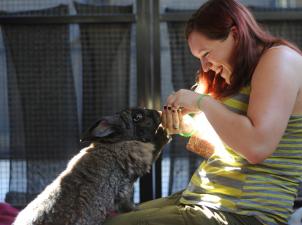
[[266, 190]]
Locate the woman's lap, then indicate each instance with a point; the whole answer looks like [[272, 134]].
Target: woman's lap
[[166, 211], [161, 202]]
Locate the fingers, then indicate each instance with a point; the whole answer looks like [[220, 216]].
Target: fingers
[[180, 116], [170, 124], [172, 116], [175, 119], [171, 120], [172, 100]]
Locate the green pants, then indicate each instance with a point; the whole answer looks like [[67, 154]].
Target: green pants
[[168, 211]]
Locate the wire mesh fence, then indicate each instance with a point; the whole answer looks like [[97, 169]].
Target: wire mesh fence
[[56, 79]]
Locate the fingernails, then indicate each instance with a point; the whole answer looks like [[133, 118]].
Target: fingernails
[[169, 108]]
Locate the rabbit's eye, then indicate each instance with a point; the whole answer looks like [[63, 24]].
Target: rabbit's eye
[[137, 117]]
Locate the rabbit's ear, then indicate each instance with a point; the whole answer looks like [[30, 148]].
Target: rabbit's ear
[[98, 130]]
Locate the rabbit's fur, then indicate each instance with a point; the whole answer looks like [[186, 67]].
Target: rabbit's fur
[[100, 178]]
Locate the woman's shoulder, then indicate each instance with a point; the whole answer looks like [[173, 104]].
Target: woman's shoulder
[[278, 74], [279, 68], [282, 52], [281, 59]]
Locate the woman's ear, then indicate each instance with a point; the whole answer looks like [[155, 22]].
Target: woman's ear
[[234, 33]]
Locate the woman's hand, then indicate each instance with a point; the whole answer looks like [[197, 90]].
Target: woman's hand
[[178, 104], [175, 122], [185, 99]]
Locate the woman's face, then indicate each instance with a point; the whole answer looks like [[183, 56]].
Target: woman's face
[[215, 55]]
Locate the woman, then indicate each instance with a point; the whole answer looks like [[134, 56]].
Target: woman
[[253, 101]]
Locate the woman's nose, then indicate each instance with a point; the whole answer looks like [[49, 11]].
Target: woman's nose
[[206, 65]]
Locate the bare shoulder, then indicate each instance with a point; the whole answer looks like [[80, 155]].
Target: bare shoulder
[[280, 63], [282, 58], [279, 70]]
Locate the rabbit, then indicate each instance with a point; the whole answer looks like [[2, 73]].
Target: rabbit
[[100, 178]]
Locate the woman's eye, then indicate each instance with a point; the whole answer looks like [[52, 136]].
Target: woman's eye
[[205, 54], [137, 117]]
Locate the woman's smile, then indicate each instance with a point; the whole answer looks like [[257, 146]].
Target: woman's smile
[[214, 55]]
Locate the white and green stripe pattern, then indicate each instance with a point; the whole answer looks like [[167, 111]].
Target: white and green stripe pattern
[[265, 190]]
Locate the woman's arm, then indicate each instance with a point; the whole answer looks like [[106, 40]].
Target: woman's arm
[[274, 89]]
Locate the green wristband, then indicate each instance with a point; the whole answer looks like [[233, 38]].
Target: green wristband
[[187, 134], [198, 102]]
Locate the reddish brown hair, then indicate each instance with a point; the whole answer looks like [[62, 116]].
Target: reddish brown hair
[[214, 19]]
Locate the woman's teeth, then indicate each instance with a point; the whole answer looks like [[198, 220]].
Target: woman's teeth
[[218, 70]]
